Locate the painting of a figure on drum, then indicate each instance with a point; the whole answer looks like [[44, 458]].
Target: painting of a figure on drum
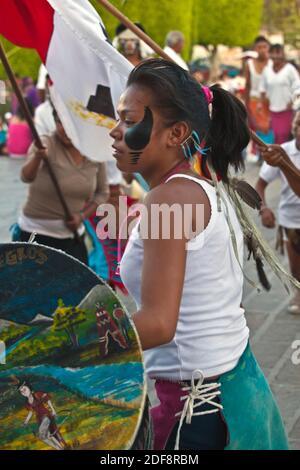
[[73, 376], [40, 404]]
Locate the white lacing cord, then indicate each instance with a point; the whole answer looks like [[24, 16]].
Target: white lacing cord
[[206, 393]]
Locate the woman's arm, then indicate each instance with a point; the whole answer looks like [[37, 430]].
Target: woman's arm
[[292, 174], [163, 268], [275, 155], [32, 165], [162, 284], [102, 189], [100, 196], [267, 215], [295, 79]]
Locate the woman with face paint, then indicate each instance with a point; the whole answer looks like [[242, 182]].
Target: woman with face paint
[[188, 287]]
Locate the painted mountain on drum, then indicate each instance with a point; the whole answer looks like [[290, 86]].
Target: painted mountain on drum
[[34, 277], [76, 339]]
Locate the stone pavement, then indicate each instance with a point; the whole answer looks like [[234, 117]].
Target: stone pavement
[[273, 330]]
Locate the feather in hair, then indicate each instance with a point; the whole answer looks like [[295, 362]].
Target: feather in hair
[[246, 192]]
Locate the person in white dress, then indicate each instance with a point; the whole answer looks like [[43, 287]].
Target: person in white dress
[[280, 85], [289, 207]]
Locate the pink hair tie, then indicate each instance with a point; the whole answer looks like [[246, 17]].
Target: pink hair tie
[[208, 94]]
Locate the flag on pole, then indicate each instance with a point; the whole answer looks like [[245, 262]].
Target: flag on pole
[[88, 74]]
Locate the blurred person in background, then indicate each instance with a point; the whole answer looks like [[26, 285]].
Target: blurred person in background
[[43, 117], [41, 83], [130, 45], [289, 207], [3, 136], [200, 70], [225, 81], [14, 103], [280, 85], [259, 114], [30, 92], [174, 46], [19, 136]]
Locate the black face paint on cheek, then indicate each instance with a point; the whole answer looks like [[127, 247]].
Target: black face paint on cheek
[[135, 156], [138, 136]]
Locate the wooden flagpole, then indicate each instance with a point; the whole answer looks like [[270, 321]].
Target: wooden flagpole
[[35, 134]]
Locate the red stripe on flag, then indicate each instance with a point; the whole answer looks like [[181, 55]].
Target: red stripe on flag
[[27, 23]]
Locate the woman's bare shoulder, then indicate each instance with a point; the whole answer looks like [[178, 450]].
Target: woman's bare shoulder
[[178, 190]]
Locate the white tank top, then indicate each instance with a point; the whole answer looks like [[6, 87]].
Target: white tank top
[[211, 333], [255, 78]]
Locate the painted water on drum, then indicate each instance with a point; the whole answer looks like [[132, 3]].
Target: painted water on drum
[[98, 382]]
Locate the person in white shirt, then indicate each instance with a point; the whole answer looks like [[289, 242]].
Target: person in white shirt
[[259, 118], [130, 45], [280, 85], [289, 208], [174, 46], [43, 116]]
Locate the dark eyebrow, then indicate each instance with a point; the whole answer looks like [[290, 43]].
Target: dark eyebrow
[[126, 111]]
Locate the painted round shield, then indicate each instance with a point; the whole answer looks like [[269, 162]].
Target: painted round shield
[[71, 369]]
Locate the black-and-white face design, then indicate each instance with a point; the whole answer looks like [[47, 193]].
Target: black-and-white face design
[[138, 136]]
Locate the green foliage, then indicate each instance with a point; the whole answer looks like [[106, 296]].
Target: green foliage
[[38, 349], [66, 318], [283, 15], [13, 332], [230, 22], [24, 62]]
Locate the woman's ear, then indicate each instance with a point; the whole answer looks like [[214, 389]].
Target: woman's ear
[[179, 132]]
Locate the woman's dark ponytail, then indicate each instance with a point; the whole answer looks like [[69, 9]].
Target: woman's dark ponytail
[[228, 134]]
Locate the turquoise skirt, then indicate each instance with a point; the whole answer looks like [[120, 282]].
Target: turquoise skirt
[[249, 408]]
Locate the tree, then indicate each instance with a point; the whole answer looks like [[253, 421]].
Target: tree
[[24, 62], [284, 16], [229, 22], [67, 318]]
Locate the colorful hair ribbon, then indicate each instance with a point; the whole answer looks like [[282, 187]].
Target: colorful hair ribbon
[[208, 94]]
